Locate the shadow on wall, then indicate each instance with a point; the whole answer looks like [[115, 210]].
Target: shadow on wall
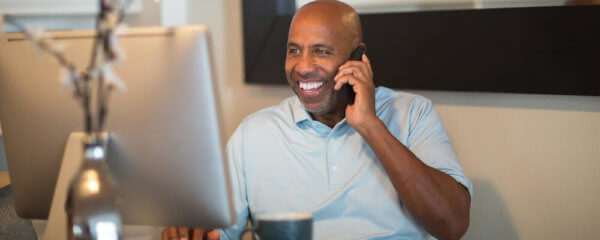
[[490, 218]]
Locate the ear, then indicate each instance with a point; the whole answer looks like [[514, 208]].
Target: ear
[[364, 47]]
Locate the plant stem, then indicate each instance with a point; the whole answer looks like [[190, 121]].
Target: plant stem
[[83, 82]]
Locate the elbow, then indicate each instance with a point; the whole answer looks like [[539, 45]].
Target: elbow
[[457, 232], [454, 223], [451, 230]]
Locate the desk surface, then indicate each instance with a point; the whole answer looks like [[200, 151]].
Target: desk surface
[[4, 178]]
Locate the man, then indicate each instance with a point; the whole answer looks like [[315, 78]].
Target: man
[[380, 168]]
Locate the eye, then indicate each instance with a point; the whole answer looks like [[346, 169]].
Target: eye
[[293, 51], [321, 52]]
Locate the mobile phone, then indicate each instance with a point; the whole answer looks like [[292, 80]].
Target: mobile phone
[[356, 56]]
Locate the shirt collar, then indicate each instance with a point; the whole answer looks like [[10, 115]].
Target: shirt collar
[[304, 121], [298, 112]]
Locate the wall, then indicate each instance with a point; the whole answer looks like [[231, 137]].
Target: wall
[[533, 159], [151, 13], [237, 98]]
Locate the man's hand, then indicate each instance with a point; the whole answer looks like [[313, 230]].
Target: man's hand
[[360, 76], [181, 233]]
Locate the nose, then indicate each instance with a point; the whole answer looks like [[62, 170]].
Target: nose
[[306, 64]]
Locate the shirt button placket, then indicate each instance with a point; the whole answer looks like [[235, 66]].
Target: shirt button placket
[[332, 167]]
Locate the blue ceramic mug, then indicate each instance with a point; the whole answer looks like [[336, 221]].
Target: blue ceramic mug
[[290, 226]]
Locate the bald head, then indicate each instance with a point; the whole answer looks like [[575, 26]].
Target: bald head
[[322, 36], [339, 17]]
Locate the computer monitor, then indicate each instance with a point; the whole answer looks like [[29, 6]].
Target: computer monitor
[[166, 149]]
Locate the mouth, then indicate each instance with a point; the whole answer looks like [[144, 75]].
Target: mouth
[[312, 88]]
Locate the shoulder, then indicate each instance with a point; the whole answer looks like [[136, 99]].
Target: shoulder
[[277, 114], [263, 123], [269, 120], [399, 102]]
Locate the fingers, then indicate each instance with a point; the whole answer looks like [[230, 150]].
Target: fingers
[[365, 64], [366, 60], [351, 75], [181, 233], [213, 235], [170, 233], [353, 71], [197, 234], [349, 79], [173, 233], [360, 66], [164, 234], [350, 71]]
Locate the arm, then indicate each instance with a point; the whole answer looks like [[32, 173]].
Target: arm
[[434, 198], [437, 201]]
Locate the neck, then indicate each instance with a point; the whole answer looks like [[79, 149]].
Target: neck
[[333, 116], [329, 119]]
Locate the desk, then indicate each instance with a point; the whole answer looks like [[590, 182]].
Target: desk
[[129, 232], [4, 177]]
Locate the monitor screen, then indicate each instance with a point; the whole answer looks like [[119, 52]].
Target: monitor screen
[[166, 149]]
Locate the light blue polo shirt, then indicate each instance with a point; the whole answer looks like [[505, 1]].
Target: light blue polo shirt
[[281, 160]]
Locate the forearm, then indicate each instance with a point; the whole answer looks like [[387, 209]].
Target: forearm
[[436, 200]]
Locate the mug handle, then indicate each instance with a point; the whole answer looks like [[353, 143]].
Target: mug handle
[[251, 229]]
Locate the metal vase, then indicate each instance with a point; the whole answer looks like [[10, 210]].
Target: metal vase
[[93, 205]]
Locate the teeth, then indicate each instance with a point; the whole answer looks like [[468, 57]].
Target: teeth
[[311, 85]]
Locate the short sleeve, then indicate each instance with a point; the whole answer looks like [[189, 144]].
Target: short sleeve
[[428, 140], [235, 157]]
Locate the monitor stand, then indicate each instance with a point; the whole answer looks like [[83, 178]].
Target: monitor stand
[[56, 228]]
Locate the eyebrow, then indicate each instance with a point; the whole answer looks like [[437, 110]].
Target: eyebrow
[[318, 45], [292, 44], [321, 46]]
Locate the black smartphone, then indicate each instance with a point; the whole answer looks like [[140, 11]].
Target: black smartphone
[[356, 56]]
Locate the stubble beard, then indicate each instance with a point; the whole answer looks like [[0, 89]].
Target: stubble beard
[[318, 106]]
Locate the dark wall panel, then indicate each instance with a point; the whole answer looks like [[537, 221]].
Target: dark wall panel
[[548, 50]]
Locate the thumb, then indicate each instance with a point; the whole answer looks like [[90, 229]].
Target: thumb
[[213, 235]]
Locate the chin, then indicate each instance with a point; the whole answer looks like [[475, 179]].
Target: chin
[[323, 101], [325, 105], [315, 109]]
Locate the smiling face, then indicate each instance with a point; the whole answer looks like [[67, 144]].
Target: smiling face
[[318, 44]]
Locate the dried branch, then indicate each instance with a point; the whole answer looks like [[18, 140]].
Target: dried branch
[[98, 73]]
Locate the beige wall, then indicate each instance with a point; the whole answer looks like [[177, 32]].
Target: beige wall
[[149, 15], [534, 159], [534, 171], [237, 98]]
